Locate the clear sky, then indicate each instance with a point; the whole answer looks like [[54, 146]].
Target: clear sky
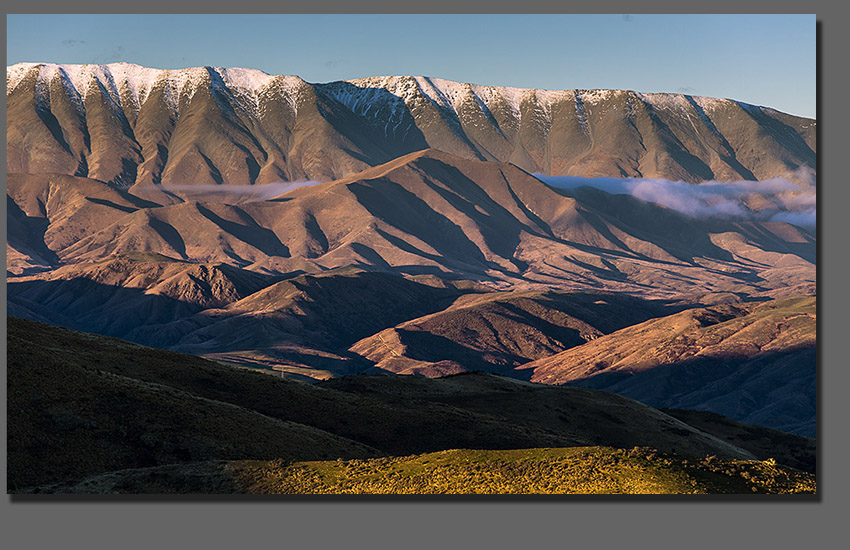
[[762, 59]]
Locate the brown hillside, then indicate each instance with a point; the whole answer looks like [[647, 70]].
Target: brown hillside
[[753, 362], [124, 124], [429, 213], [497, 332]]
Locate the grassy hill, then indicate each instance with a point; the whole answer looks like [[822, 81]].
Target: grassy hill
[[82, 405], [579, 470], [791, 449]]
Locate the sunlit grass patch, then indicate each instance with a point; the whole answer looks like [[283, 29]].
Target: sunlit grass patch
[[584, 470]]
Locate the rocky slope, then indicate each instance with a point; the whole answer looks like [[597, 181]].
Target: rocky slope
[[293, 282]]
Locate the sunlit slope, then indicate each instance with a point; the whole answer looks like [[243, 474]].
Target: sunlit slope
[[754, 362], [497, 332], [131, 125], [428, 213], [582, 470]]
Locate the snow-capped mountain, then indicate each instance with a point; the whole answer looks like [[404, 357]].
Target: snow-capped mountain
[[126, 124]]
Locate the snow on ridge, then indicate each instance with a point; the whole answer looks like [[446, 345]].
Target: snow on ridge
[[548, 97], [134, 83], [82, 77], [596, 96], [665, 101], [513, 97], [291, 86], [449, 95], [403, 88], [16, 73], [138, 81], [376, 97], [443, 93], [183, 83], [686, 101], [250, 84], [48, 73], [253, 80], [711, 103], [681, 101], [128, 82], [363, 96], [708, 103], [753, 110]]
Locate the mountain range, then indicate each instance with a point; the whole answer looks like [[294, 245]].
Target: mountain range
[[128, 125], [335, 278]]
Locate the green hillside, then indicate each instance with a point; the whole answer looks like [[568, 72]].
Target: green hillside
[[577, 470]]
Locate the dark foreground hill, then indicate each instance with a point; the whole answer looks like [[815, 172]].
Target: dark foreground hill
[[82, 405], [796, 451]]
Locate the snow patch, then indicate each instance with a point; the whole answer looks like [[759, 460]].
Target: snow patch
[[16, 73], [666, 101], [378, 99], [135, 81], [493, 96], [595, 96], [444, 93], [710, 103]]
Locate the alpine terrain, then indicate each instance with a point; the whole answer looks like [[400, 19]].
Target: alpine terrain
[[221, 280]]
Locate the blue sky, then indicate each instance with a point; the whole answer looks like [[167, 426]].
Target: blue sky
[[763, 59]]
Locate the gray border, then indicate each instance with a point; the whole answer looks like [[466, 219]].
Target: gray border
[[703, 524]]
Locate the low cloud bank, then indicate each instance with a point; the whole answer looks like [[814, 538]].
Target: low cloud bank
[[237, 194], [775, 199]]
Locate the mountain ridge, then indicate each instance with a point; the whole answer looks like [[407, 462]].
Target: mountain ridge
[[141, 79], [429, 212], [129, 125]]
